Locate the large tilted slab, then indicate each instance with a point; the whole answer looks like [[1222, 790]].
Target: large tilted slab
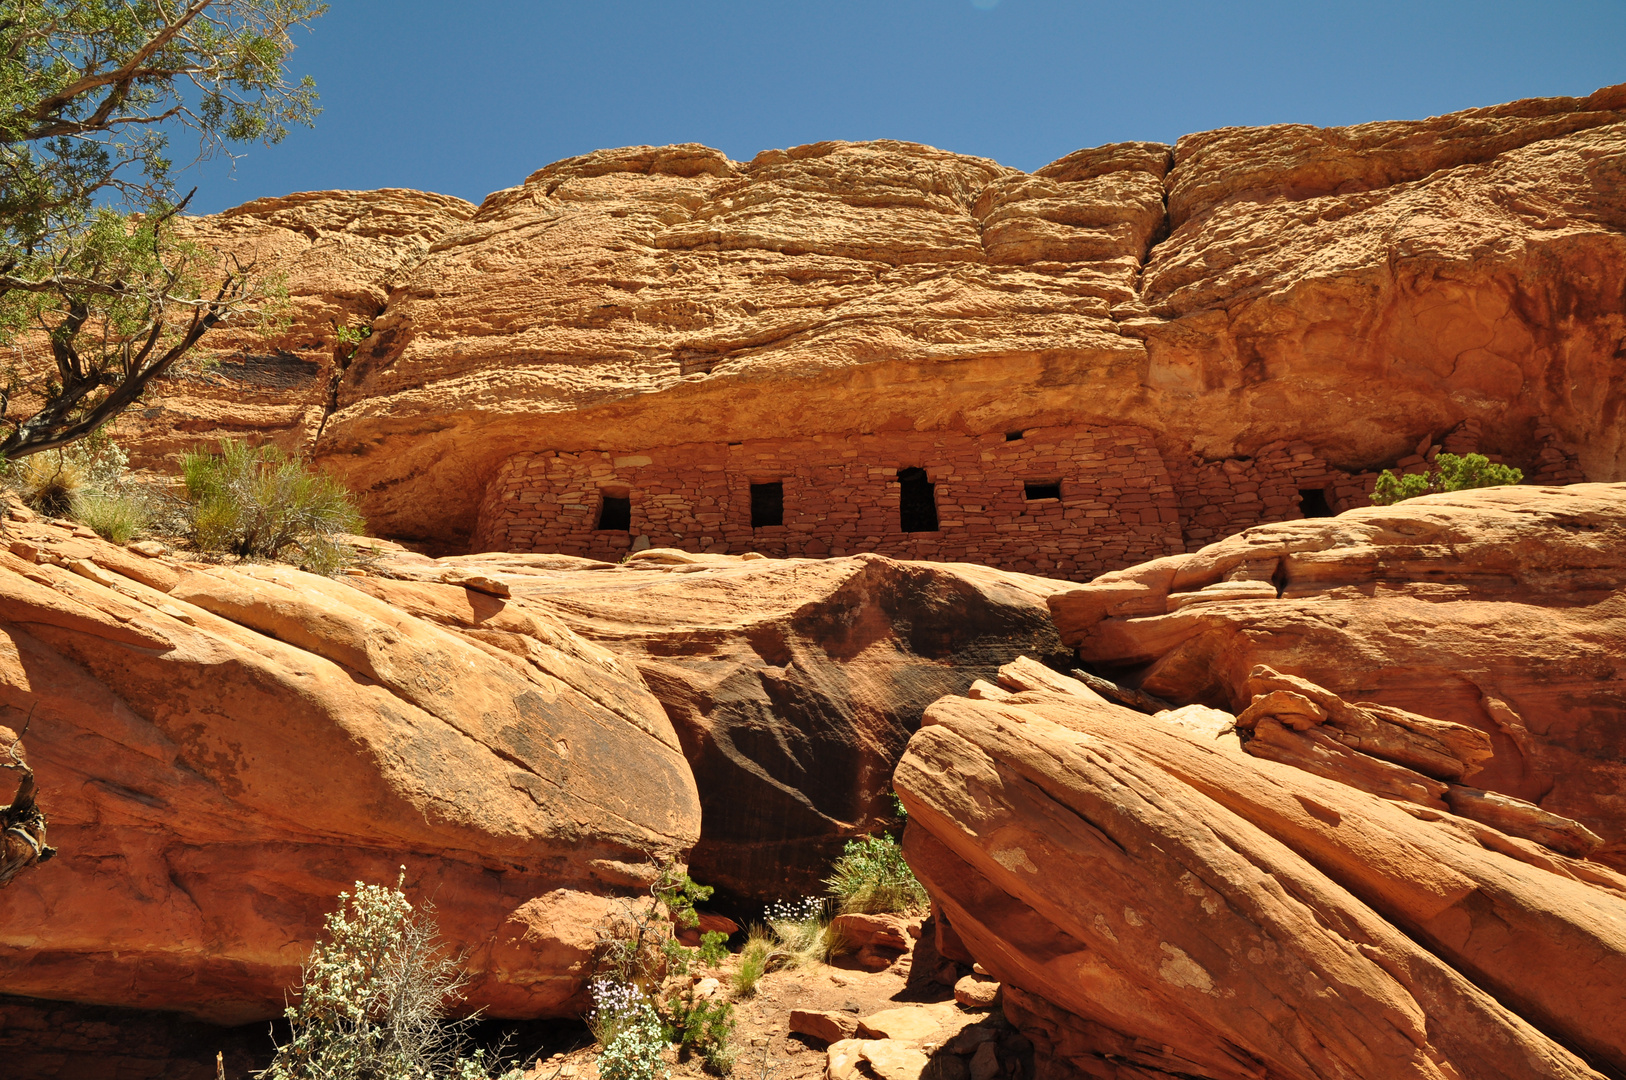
[[1163, 902], [221, 751]]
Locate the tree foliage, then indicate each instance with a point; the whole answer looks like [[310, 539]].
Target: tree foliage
[[1448, 473], [91, 93]]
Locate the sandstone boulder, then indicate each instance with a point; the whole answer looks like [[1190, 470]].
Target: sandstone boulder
[[221, 751], [1245, 918], [793, 684], [1470, 637]]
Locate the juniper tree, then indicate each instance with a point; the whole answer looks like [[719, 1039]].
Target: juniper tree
[[91, 94]]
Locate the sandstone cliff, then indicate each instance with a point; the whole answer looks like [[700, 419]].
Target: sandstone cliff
[[1269, 313], [337, 254]]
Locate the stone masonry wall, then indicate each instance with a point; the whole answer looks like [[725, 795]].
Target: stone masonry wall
[[841, 496], [1120, 502]]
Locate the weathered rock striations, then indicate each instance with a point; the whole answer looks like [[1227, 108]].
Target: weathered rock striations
[[1500, 611], [793, 685], [338, 254], [1273, 313], [1155, 901], [221, 751]]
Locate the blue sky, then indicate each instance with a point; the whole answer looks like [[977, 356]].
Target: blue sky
[[470, 96]]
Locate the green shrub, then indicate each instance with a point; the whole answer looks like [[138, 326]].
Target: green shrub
[[680, 893], [256, 502], [753, 962], [1449, 473], [119, 516], [872, 877], [701, 1027], [713, 947], [372, 997]]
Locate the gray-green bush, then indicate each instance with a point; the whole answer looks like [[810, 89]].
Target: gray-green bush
[[372, 999], [257, 502]]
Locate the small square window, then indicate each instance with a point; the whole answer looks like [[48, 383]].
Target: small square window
[[615, 512], [1049, 489], [767, 504], [1013, 436]]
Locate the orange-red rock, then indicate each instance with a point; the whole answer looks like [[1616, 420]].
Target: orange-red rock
[[793, 684], [1312, 305], [1501, 610], [221, 754], [1155, 900], [338, 254]]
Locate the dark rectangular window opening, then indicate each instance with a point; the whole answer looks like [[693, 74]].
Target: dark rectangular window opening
[[917, 501], [767, 504], [1313, 502], [1051, 490], [615, 512], [1013, 436]]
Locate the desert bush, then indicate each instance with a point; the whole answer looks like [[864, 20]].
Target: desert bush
[[872, 877], [635, 1052], [88, 481], [759, 947], [117, 516], [256, 502], [372, 999], [636, 951], [1448, 473], [48, 482], [802, 928], [701, 1027]]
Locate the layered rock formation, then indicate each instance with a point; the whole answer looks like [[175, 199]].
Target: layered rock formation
[[1502, 609], [1156, 901], [1372, 827], [221, 751], [338, 254], [1271, 313], [793, 685]]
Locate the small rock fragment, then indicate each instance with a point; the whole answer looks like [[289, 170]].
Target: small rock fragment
[[470, 579], [87, 569], [910, 1024], [976, 991], [831, 1027], [985, 1062]]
